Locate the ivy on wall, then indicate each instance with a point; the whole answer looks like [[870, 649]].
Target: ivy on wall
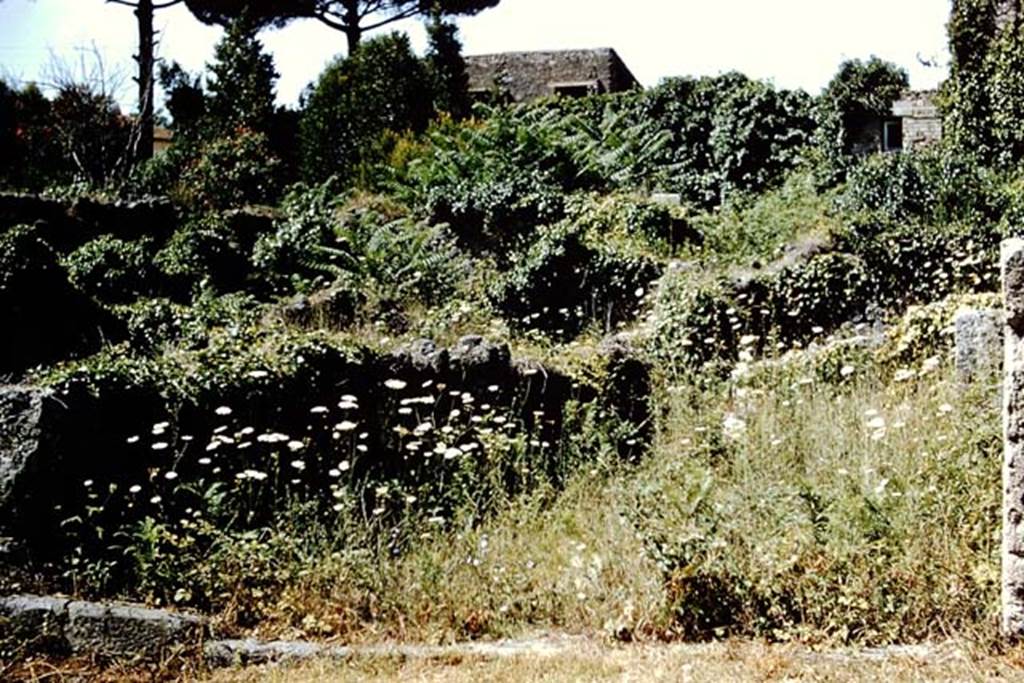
[[983, 99]]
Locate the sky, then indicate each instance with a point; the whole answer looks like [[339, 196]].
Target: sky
[[792, 43]]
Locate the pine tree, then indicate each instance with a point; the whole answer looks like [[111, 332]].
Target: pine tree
[[447, 68], [241, 82]]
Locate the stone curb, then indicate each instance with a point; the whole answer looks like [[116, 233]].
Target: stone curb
[[251, 652], [60, 625]]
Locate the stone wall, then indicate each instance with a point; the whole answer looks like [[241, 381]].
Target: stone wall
[[922, 121], [524, 76]]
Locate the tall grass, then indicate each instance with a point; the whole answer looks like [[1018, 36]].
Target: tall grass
[[775, 504]]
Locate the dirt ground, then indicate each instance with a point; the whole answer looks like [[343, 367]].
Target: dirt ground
[[571, 658], [589, 661]]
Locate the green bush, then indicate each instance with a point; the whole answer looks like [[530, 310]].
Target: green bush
[[204, 254], [231, 172], [919, 263], [286, 258], [155, 324], [365, 244], [755, 229], [382, 87], [563, 283], [697, 318], [397, 260], [859, 92], [935, 185], [891, 185], [727, 134], [493, 181], [111, 269]]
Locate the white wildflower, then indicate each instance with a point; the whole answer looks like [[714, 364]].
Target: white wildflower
[[903, 374], [733, 427], [272, 437]]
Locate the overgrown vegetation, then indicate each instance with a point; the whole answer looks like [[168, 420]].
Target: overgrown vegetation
[[730, 414]]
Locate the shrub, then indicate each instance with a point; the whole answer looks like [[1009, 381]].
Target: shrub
[[697, 318], [727, 134], [562, 284], [494, 181], [232, 171], [47, 319], [754, 230], [155, 324], [859, 92], [396, 260], [936, 185], [111, 269], [30, 157], [382, 87], [286, 258], [203, 254], [892, 185], [79, 135], [366, 245], [913, 264]]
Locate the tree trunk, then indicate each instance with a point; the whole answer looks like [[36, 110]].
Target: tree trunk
[[354, 35], [144, 142], [353, 32]]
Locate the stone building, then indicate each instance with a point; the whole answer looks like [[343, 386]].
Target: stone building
[[915, 122], [524, 76], [918, 118]]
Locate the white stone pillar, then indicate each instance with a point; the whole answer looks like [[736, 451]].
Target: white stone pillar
[[978, 343], [1012, 265]]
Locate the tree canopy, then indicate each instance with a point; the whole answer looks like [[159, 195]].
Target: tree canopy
[[351, 17]]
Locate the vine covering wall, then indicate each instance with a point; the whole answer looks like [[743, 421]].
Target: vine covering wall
[[984, 96]]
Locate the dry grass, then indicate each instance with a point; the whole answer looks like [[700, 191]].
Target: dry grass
[[729, 661]]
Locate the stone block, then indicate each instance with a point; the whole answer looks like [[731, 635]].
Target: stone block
[[35, 621], [249, 652], [116, 630], [978, 343], [667, 198]]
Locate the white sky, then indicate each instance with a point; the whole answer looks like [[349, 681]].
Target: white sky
[[794, 43]]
